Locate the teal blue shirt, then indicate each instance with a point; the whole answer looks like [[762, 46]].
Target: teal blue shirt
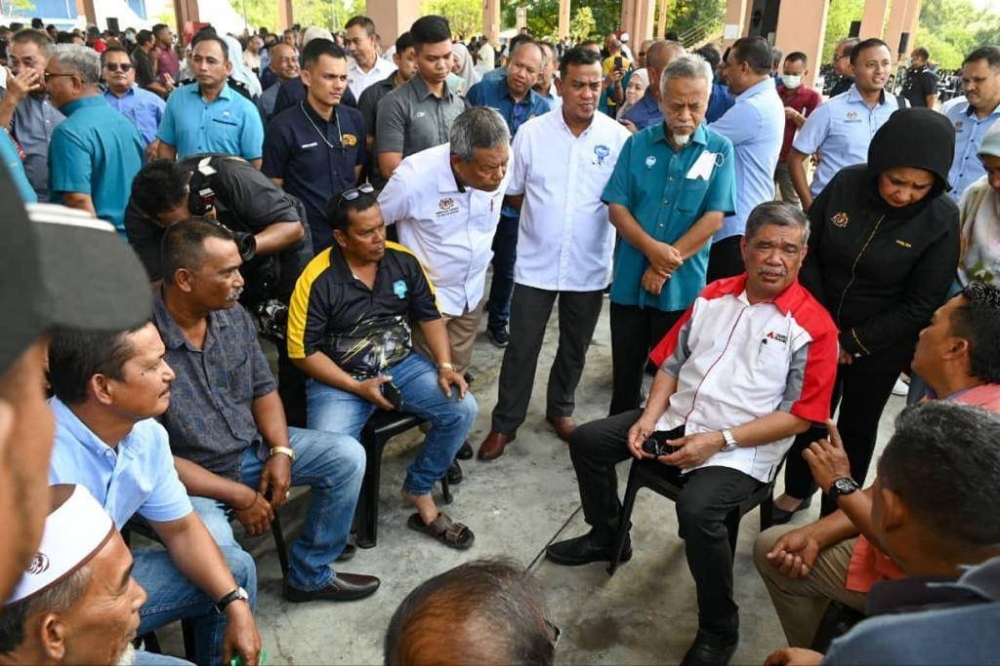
[[229, 124], [95, 151], [655, 183]]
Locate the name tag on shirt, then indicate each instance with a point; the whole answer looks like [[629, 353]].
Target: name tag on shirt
[[309, 145], [702, 168]]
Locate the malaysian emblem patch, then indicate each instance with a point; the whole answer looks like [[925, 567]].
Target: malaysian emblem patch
[[840, 220], [445, 203], [350, 140]]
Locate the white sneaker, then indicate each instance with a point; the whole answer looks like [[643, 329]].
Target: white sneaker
[[902, 388]]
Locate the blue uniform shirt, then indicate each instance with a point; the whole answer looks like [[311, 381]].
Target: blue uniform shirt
[[95, 152], [315, 158], [969, 132], [645, 113], [841, 130], [655, 183], [230, 124], [138, 477], [143, 109], [756, 126]]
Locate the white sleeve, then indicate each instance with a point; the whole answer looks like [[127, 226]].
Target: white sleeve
[[519, 168], [393, 198]]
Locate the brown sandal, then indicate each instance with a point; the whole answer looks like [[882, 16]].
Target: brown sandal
[[444, 529]]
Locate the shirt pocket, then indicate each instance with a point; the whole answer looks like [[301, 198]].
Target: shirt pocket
[[691, 198], [225, 131], [239, 383]]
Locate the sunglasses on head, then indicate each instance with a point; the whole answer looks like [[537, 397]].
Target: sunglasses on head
[[355, 192]]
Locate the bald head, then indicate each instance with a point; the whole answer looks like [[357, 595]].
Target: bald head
[[658, 56]]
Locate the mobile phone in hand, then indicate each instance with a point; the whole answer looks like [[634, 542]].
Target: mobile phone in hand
[[391, 393], [618, 62]]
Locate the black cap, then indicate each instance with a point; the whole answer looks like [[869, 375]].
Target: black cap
[[61, 267]]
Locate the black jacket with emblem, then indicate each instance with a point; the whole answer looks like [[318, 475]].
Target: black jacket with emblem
[[880, 270]]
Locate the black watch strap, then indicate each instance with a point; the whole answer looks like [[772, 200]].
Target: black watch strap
[[845, 485], [237, 594]]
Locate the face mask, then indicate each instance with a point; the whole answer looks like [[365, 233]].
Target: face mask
[[791, 82]]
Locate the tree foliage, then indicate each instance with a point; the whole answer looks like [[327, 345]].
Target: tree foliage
[[582, 25], [323, 13], [951, 29], [464, 16]]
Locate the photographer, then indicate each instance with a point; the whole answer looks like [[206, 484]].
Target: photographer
[[268, 224]]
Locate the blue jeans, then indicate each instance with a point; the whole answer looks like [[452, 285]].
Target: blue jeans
[[333, 467], [143, 658], [416, 378], [173, 597], [502, 286]]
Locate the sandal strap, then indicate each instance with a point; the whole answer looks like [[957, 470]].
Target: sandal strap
[[453, 532]]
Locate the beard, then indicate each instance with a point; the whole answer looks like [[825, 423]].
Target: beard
[[127, 657]]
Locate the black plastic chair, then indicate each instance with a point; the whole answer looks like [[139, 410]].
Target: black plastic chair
[[652, 474], [380, 428]]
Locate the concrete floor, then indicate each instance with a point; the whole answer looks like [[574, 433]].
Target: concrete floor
[[516, 505]]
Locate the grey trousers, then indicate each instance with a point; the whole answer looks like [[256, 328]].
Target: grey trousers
[[529, 314], [786, 190]]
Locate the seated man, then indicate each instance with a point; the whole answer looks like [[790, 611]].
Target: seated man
[[349, 330], [109, 388], [749, 365], [77, 602], [931, 511], [233, 449], [833, 558], [441, 620]]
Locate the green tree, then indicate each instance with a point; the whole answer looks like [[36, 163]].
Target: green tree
[[838, 23], [582, 25], [685, 15], [464, 16]]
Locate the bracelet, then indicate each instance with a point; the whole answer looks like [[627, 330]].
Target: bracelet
[[250, 505], [286, 450], [446, 366]]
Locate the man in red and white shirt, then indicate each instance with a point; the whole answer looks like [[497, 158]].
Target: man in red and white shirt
[[748, 366]]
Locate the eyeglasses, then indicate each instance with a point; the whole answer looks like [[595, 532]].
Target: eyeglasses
[[47, 76], [355, 192], [114, 66]]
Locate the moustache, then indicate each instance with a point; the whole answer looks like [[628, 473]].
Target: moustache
[[777, 272], [235, 294]]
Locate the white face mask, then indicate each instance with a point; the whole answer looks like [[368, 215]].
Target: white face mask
[[682, 139], [791, 81]]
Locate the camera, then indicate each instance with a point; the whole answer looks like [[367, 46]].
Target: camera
[[656, 445]]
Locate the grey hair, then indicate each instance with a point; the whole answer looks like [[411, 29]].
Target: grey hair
[[478, 127], [58, 598], [687, 66], [780, 214], [527, 42], [82, 59]]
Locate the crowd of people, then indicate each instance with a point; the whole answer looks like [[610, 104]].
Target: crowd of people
[[770, 257]]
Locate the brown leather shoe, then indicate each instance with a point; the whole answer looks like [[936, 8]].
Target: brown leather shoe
[[564, 426], [494, 444]]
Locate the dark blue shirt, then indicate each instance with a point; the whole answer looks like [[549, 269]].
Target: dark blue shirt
[[645, 113], [495, 94], [719, 102], [293, 91], [316, 159]]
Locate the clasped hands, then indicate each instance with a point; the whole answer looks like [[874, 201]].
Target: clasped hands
[[664, 259]]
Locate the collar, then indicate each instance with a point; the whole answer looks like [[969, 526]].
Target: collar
[[699, 137], [83, 102], [225, 93], [854, 95], [531, 98], [338, 265], [978, 584], [787, 301], [447, 179], [71, 422], [423, 92], [757, 88], [559, 119], [170, 332], [311, 112], [970, 112], [131, 92]]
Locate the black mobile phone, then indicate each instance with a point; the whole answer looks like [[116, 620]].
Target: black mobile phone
[[391, 393], [618, 62]]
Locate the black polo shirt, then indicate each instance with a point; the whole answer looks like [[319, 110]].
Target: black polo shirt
[[918, 84], [315, 158], [245, 200], [364, 331]]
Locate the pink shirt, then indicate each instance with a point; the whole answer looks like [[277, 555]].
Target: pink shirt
[[868, 564]]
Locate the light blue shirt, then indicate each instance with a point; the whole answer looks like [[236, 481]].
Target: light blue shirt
[[137, 478], [969, 132], [11, 158], [841, 130], [230, 124], [756, 126], [142, 108]]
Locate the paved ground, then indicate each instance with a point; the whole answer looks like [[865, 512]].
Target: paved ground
[[516, 505]]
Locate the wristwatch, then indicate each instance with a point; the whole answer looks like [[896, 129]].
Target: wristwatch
[[731, 443], [845, 485], [239, 594], [286, 450]]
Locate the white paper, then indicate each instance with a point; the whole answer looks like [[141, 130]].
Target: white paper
[[702, 168]]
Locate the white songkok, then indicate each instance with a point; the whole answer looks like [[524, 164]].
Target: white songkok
[[74, 532]]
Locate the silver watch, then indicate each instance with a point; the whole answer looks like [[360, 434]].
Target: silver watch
[[731, 443]]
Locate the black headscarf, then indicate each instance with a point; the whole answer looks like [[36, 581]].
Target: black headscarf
[[916, 138]]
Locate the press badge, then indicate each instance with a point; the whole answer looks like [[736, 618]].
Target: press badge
[[703, 166]]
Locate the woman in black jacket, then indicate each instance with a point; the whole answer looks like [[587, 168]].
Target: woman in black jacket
[[883, 251]]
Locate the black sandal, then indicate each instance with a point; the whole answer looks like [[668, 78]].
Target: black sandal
[[444, 529]]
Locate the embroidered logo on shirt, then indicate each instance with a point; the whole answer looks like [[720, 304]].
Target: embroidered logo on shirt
[[777, 336], [958, 125], [399, 288], [419, 114], [445, 203], [650, 161], [446, 206], [350, 140], [851, 115], [601, 152], [840, 220]]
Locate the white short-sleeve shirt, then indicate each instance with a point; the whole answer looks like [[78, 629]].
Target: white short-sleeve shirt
[[448, 227], [565, 239], [358, 79]]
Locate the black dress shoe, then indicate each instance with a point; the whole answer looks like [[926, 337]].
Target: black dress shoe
[[711, 650], [345, 587], [584, 550], [464, 453], [454, 473], [350, 550], [781, 517]]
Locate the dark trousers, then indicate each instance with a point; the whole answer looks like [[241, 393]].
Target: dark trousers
[[291, 388], [502, 286], [862, 393], [634, 332], [725, 259], [529, 314], [707, 497]]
